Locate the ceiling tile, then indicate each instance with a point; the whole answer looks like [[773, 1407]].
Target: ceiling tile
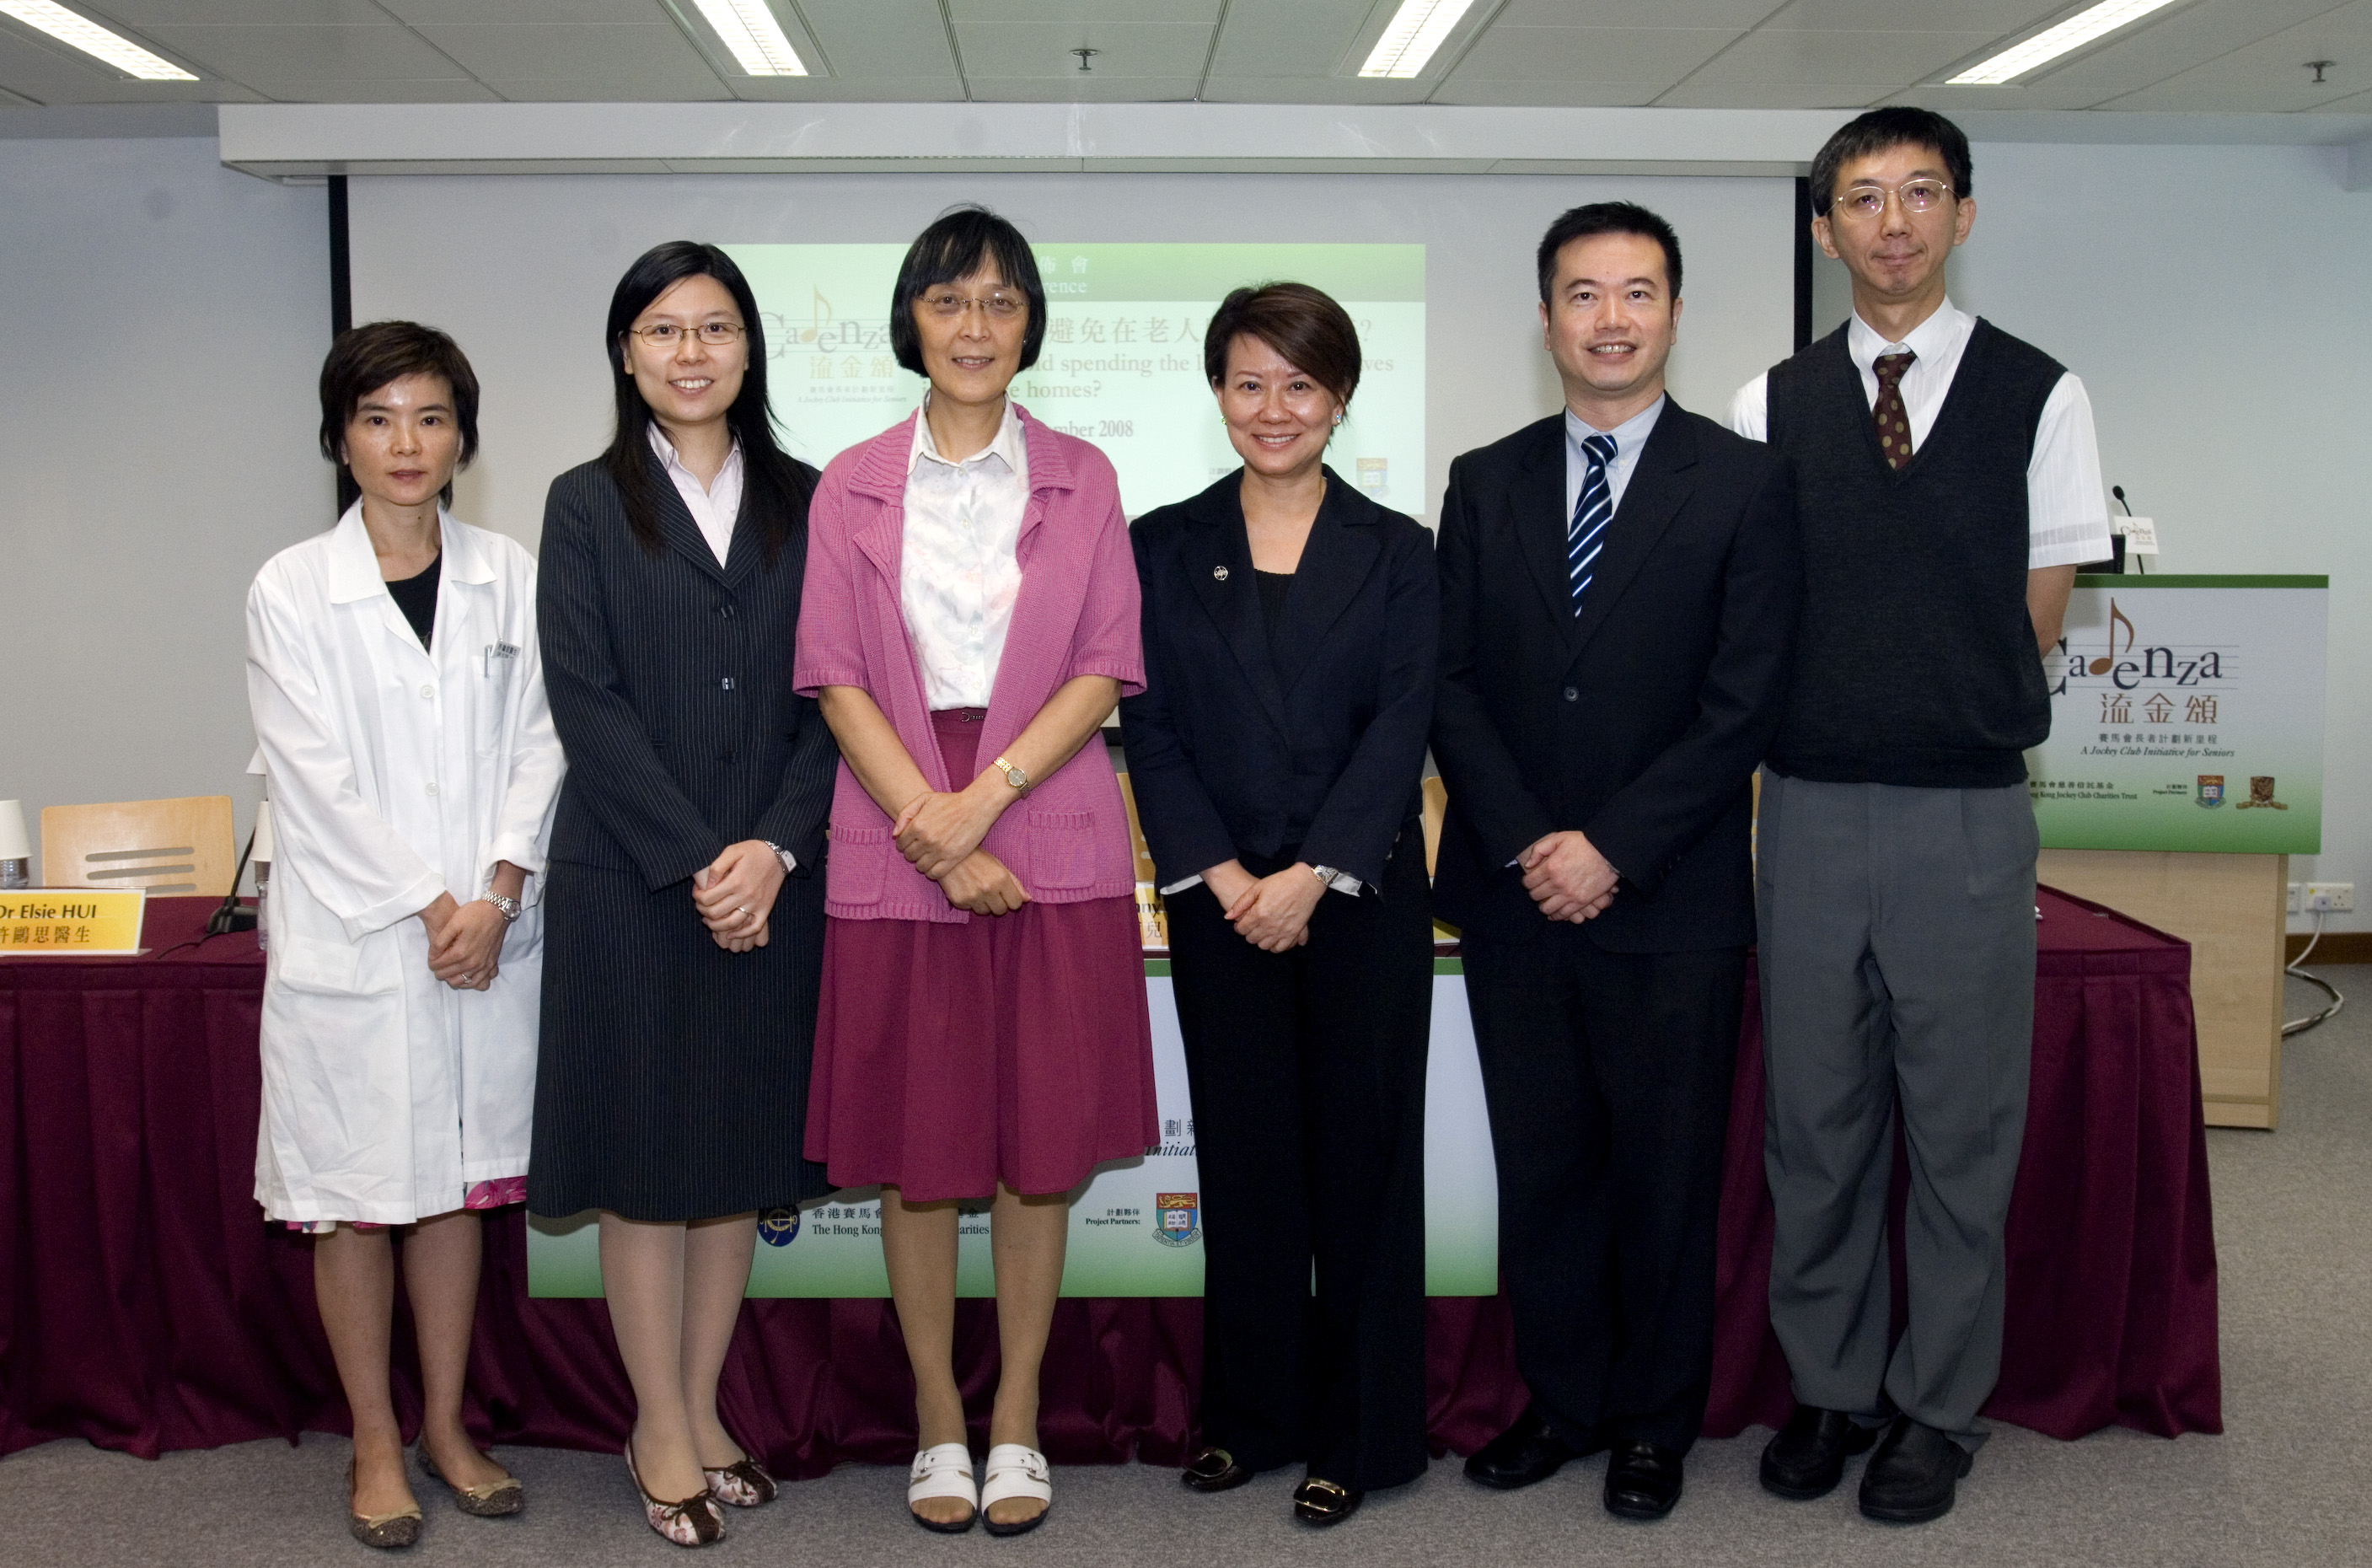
[[1998, 17], [387, 89], [46, 73], [1204, 12], [1253, 88], [1660, 56], [685, 88], [865, 38], [1696, 93], [1737, 15], [1288, 38], [1093, 89], [2156, 49], [307, 13], [1762, 60], [1544, 92], [628, 53], [247, 53], [1042, 49], [554, 11], [2271, 74], [846, 89]]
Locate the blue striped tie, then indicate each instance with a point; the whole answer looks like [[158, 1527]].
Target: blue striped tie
[[1587, 537]]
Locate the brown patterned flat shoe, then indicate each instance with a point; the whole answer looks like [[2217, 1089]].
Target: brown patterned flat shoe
[[488, 1500], [743, 1484], [695, 1521], [387, 1531]]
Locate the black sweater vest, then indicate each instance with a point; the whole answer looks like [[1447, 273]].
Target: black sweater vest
[[1915, 661]]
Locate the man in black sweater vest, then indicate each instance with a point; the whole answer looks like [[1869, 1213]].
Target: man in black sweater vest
[[1947, 483]]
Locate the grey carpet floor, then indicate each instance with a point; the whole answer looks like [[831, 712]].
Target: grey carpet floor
[[2285, 1484]]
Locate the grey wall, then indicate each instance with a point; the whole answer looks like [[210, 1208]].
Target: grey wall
[[163, 319]]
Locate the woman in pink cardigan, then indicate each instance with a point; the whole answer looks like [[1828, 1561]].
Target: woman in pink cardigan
[[969, 618]]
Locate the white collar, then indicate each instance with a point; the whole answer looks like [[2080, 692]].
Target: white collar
[[1930, 340], [1007, 443], [354, 565], [670, 461], [1629, 436]]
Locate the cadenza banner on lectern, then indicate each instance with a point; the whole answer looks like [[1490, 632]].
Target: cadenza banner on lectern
[[2186, 714]]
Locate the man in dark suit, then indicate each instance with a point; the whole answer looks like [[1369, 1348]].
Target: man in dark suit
[[1619, 589]]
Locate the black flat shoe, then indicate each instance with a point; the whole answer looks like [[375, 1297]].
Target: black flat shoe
[[1643, 1480], [1214, 1470], [1525, 1452], [1317, 1502], [1911, 1474], [1805, 1459]]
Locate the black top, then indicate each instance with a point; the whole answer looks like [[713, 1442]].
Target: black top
[[1273, 587], [416, 596], [1917, 665], [1640, 720], [1258, 732]]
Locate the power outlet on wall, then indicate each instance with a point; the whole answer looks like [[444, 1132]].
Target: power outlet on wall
[[2298, 898], [2331, 898]]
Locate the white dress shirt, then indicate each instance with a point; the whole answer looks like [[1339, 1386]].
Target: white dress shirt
[[957, 573], [1629, 437], [713, 506], [2067, 508]]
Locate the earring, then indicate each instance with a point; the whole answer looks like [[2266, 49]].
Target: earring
[[1338, 418]]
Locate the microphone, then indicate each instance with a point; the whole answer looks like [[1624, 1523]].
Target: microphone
[[2119, 492]]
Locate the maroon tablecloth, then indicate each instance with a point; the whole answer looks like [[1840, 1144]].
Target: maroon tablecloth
[[145, 1307]]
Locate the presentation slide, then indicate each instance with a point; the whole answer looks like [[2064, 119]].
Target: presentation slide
[[1122, 362]]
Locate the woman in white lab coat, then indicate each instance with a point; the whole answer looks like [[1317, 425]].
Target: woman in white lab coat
[[393, 677]]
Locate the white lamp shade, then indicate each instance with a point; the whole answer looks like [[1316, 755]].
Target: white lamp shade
[[14, 845], [262, 850]]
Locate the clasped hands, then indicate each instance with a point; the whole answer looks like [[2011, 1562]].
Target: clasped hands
[[1567, 876], [940, 835], [1270, 912], [735, 894], [465, 940]]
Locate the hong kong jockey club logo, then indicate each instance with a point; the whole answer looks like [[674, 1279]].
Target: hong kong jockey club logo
[[2211, 789], [778, 1228], [1177, 1218]]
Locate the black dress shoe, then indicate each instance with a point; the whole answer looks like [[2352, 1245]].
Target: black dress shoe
[[1643, 1480], [1214, 1470], [1911, 1474], [1525, 1452], [1807, 1457], [1317, 1502]]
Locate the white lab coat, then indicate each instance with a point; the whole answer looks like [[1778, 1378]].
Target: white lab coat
[[396, 774]]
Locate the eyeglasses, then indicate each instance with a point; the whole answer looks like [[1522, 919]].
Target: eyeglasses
[[666, 334], [1923, 194], [999, 306]]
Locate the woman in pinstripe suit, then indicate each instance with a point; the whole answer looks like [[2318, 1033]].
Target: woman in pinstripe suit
[[685, 933]]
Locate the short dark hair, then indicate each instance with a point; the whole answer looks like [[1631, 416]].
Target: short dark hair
[[1302, 323], [1608, 217], [955, 245], [363, 359], [1880, 129], [775, 486]]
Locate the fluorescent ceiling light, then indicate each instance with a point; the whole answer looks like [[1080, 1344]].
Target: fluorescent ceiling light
[[2052, 42], [1415, 30], [94, 41], [754, 35]]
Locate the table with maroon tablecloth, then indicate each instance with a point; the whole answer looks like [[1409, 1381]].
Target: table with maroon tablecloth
[[146, 1307]]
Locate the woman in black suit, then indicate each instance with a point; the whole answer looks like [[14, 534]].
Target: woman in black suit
[[1276, 755], [684, 942]]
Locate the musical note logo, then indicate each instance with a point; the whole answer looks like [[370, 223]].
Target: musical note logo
[[2116, 618], [820, 317]]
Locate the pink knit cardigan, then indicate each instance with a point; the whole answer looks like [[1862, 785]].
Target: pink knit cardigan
[[1076, 614]]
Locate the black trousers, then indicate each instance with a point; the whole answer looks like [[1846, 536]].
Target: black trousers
[[1307, 1072], [1607, 1078]]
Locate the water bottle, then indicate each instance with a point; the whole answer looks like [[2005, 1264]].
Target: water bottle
[[262, 905]]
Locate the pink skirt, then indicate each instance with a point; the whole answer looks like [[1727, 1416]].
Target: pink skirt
[[1011, 1048]]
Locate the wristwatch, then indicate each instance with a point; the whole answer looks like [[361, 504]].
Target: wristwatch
[[1325, 873], [509, 907], [1017, 777], [790, 862]]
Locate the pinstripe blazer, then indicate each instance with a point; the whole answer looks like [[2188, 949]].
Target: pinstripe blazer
[[669, 678]]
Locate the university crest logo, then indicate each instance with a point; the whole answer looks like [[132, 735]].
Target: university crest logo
[[1177, 1218], [2211, 789], [778, 1228]]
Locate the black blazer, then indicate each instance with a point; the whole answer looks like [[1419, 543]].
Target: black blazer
[[669, 678], [1228, 754], [1639, 722]]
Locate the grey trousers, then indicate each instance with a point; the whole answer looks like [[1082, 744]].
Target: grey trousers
[[1897, 964]]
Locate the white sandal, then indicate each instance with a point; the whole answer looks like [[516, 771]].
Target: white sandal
[[1015, 1470], [942, 1472]]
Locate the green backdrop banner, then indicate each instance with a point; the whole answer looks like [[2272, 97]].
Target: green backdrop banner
[[1136, 1228], [2186, 714]]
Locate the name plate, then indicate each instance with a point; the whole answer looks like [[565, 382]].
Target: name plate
[[72, 920]]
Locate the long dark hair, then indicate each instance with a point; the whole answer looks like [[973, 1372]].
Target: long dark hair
[[775, 486]]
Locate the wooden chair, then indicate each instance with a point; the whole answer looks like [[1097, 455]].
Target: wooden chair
[[166, 846], [1436, 805], [1152, 917]]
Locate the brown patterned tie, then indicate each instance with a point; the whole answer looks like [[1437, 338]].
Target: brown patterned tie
[[1892, 419]]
